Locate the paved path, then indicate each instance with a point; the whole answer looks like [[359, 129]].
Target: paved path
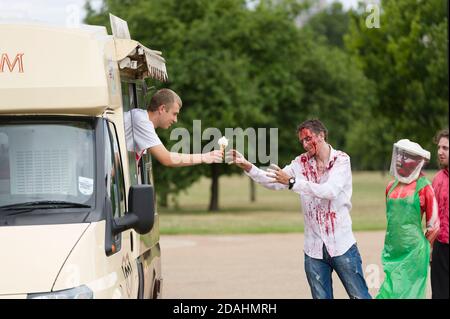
[[252, 266]]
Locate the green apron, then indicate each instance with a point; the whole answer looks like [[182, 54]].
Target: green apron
[[406, 253]]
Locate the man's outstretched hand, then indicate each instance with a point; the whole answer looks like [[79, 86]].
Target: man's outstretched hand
[[278, 175], [238, 159]]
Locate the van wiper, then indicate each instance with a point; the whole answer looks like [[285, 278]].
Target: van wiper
[[44, 204]]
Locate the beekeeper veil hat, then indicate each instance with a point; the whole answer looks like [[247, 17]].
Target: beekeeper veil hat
[[408, 159]]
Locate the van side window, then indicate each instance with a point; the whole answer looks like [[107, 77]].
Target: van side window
[[128, 103], [114, 172], [145, 163], [145, 166], [133, 171], [134, 96]]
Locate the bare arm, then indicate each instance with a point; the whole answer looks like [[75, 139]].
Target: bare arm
[[172, 159]]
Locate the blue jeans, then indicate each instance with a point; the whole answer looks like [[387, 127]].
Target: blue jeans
[[347, 266]]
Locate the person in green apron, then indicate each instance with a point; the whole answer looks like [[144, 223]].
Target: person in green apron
[[406, 253]]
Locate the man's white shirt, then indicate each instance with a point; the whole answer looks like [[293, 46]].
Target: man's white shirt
[[140, 132], [325, 201]]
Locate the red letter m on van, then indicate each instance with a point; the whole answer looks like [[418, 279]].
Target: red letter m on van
[[4, 60]]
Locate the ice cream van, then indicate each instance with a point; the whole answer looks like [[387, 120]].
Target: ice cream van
[[77, 210]]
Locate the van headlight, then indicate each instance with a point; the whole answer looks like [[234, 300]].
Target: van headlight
[[80, 292]]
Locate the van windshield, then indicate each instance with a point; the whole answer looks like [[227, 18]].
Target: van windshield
[[47, 162]]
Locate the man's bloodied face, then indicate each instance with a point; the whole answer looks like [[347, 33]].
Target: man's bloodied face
[[406, 163], [310, 141]]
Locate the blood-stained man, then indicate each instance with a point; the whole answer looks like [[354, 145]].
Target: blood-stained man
[[322, 177]]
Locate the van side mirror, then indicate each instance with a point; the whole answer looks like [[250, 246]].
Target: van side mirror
[[141, 211], [141, 202]]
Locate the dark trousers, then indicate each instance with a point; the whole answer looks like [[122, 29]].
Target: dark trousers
[[439, 271]]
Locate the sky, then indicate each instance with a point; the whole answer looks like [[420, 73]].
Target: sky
[[62, 12]]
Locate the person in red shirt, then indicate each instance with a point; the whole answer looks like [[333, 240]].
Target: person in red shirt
[[439, 261], [406, 253]]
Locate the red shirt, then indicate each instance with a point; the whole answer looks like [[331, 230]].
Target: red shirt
[[440, 185]]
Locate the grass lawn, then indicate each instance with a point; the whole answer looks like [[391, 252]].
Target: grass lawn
[[273, 211]]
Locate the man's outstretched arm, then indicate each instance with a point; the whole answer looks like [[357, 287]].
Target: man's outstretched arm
[[172, 159], [258, 175]]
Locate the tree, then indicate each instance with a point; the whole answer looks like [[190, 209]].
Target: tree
[[406, 58], [332, 23]]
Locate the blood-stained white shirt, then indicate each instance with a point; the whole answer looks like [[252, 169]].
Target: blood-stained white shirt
[[325, 201]]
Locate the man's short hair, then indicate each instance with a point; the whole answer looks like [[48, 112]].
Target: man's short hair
[[315, 126], [441, 134], [163, 96]]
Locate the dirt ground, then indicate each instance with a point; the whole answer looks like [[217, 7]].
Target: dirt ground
[[268, 266]]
